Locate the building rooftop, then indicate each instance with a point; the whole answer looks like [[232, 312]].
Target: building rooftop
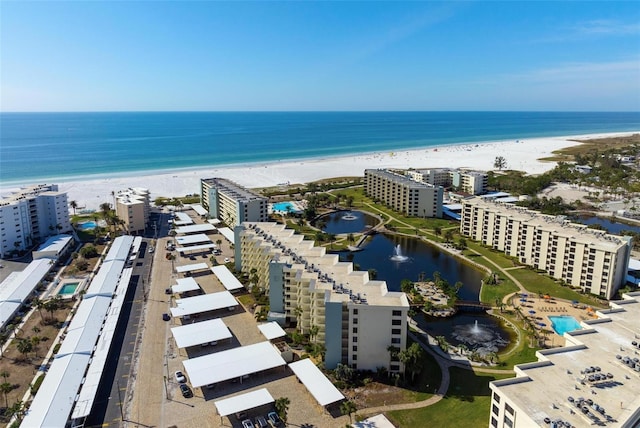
[[594, 379], [325, 271], [400, 179], [29, 192], [236, 191]]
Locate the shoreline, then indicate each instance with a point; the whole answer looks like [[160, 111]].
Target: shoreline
[[90, 191]]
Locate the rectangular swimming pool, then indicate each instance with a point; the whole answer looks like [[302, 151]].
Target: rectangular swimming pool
[[564, 323], [68, 288]]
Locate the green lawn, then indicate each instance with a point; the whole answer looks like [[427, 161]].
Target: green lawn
[[466, 404], [543, 284], [495, 256], [491, 293]]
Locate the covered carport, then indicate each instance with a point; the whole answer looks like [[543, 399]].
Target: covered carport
[[243, 402], [203, 303], [232, 364], [316, 382], [193, 267], [201, 333], [185, 285], [228, 280]]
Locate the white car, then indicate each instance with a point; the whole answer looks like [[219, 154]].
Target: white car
[[180, 378], [151, 249], [227, 260]]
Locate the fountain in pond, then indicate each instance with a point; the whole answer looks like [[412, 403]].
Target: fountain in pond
[[397, 255], [349, 216], [480, 338]]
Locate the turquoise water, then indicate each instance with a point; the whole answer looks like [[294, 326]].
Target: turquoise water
[[564, 323], [89, 225], [69, 288], [283, 206], [37, 145]]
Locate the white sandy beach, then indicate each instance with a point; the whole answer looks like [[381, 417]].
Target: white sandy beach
[[522, 155]]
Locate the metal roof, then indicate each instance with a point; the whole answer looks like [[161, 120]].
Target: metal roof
[[271, 330], [194, 228], [228, 234], [204, 303], [192, 239], [184, 285], [191, 267], [316, 382], [17, 287], [228, 280], [201, 332], [246, 401]]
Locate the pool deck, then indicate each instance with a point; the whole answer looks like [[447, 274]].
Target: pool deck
[[551, 307]]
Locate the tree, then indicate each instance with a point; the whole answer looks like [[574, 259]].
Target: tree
[[412, 358], [437, 230], [373, 274], [88, 251], [347, 408], [6, 388], [448, 236], [313, 332], [73, 205], [500, 162], [282, 407], [24, 347], [406, 286]]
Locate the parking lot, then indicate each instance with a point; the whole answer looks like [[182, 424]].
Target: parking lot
[[154, 397]]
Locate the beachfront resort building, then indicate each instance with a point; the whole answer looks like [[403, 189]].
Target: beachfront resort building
[[469, 182], [592, 381], [356, 318], [401, 193], [231, 203], [133, 207], [589, 259], [30, 215]]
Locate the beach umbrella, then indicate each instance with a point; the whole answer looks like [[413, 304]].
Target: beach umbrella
[[523, 300], [532, 312], [541, 324]]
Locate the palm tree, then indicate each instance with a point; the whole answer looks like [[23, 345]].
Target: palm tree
[[73, 205], [282, 407], [6, 388], [347, 408], [24, 347], [313, 332]]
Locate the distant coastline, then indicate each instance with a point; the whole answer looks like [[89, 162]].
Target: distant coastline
[[69, 147]]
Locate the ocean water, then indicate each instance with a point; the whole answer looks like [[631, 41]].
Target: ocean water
[[40, 146]]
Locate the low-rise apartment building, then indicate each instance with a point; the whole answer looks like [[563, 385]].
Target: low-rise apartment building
[[30, 216], [133, 207], [402, 194], [589, 259], [356, 318], [592, 381], [469, 182], [231, 203]]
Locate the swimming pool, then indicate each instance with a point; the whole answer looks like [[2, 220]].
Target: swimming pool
[[284, 207], [564, 323], [87, 225], [68, 288]]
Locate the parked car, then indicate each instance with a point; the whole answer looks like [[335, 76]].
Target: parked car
[[180, 377], [261, 422], [247, 424], [186, 391], [227, 260], [168, 291], [166, 317], [274, 419], [151, 249]]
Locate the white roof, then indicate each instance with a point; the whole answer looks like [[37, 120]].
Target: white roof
[[634, 264], [184, 285], [233, 363], [181, 222], [17, 287], [228, 234], [199, 209], [196, 247], [317, 383], [271, 330], [453, 207], [192, 239], [191, 267], [120, 248], [214, 221], [195, 228], [228, 280], [201, 332], [183, 217], [204, 303], [55, 243], [246, 401]]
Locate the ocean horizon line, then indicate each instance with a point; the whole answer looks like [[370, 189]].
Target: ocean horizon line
[[317, 111]]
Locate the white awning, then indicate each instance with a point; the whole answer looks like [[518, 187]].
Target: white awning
[[202, 332], [199, 209], [271, 330], [316, 382], [195, 228], [196, 247], [192, 239], [214, 221], [228, 280], [246, 401], [228, 234], [183, 217], [204, 303], [184, 285], [192, 267], [182, 222], [231, 364]]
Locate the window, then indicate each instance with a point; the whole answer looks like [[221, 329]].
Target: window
[[495, 410], [355, 338], [355, 312], [354, 348], [355, 320], [508, 408], [494, 422], [395, 340], [396, 322], [354, 358], [508, 422], [496, 397], [394, 367], [355, 330], [396, 331], [396, 313]]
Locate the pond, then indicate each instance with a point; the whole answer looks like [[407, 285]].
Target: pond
[[610, 225], [400, 257], [347, 222]]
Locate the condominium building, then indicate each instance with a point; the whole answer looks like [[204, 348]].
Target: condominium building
[[231, 203], [400, 193], [589, 259], [133, 207], [591, 381], [469, 182], [31, 215], [356, 318]]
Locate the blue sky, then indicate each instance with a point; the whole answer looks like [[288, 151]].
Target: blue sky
[[303, 55]]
